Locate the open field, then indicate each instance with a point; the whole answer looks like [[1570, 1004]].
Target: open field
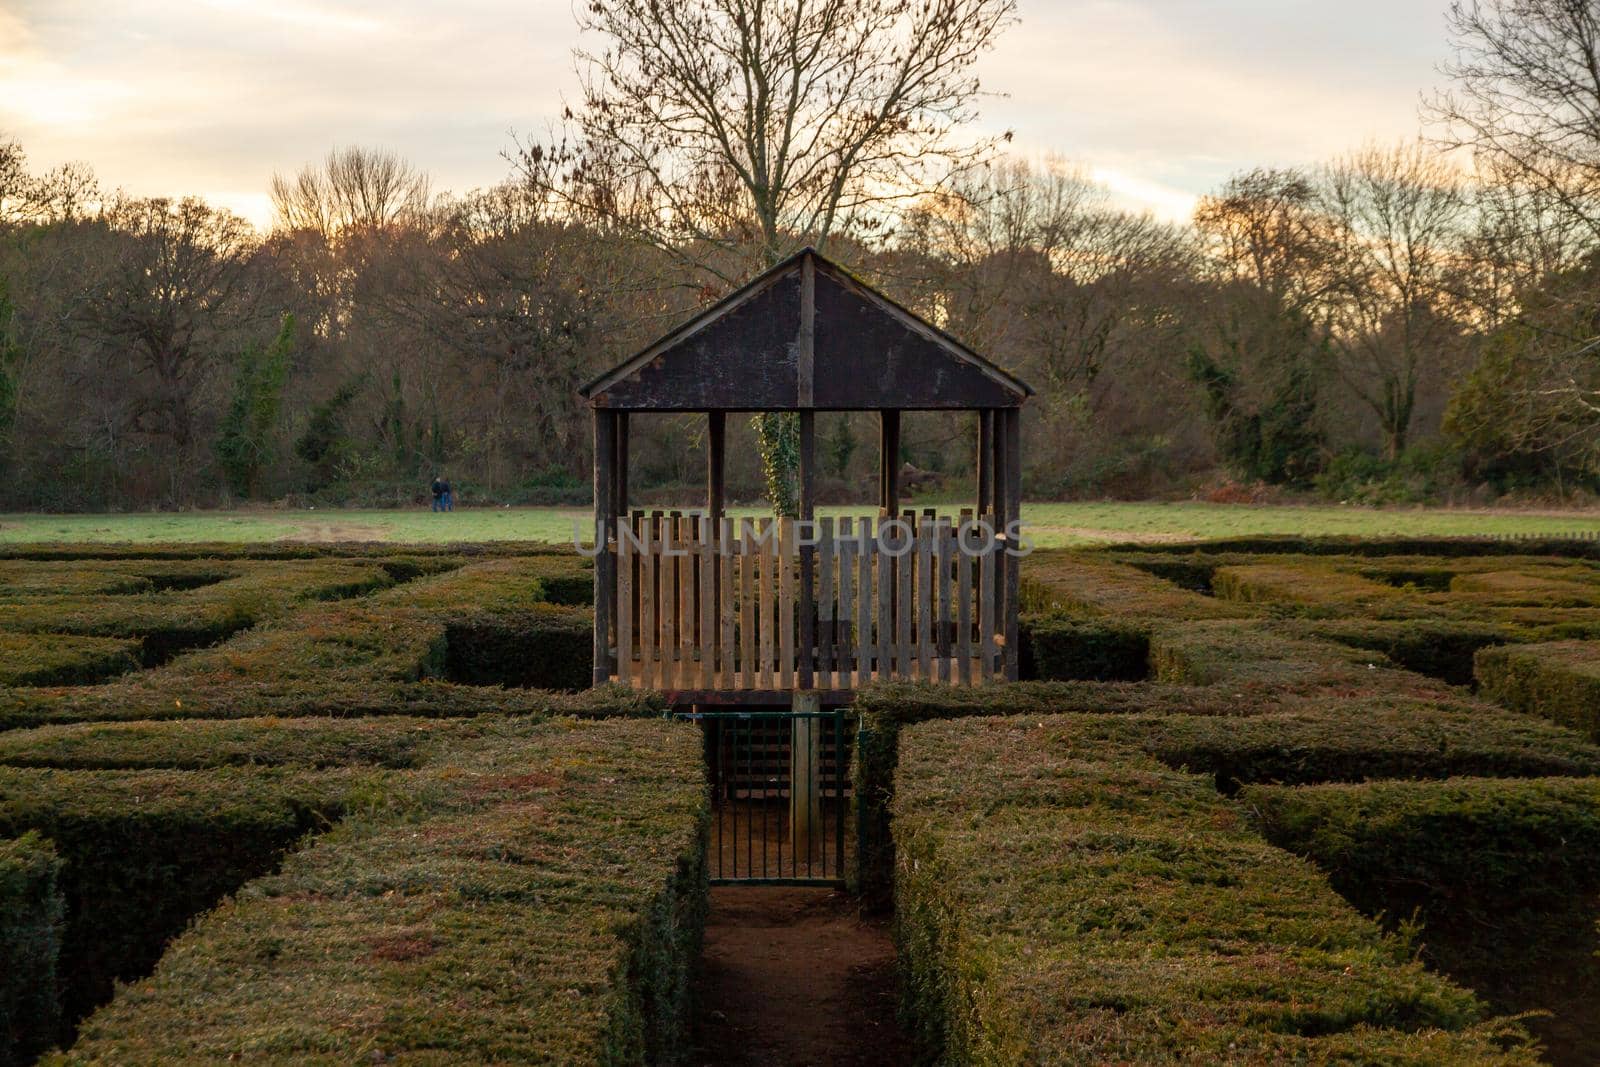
[[1246, 805], [1051, 525]]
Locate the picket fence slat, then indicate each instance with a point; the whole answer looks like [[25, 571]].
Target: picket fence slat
[[712, 606]]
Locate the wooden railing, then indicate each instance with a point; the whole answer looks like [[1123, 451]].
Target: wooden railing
[[720, 606]]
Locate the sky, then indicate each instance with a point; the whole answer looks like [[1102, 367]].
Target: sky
[[1159, 99]]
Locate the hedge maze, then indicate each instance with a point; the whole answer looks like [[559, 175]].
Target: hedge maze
[[1268, 802], [333, 804], [1258, 802]]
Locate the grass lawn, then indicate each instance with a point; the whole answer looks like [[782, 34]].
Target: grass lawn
[[1051, 525]]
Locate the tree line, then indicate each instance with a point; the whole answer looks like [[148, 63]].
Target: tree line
[[1405, 321]]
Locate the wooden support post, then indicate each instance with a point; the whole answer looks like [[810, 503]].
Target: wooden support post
[[605, 584], [1013, 484], [805, 771], [985, 459], [716, 455], [997, 515], [889, 463], [619, 507], [997, 463], [808, 501]]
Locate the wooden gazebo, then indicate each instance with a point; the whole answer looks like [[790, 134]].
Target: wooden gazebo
[[719, 611]]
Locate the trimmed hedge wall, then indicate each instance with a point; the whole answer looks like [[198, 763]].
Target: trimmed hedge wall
[[1442, 649], [1235, 738], [167, 623], [1306, 588], [1074, 903], [147, 698], [1479, 848], [58, 659], [395, 742], [1559, 681], [1089, 584], [1065, 648], [276, 550], [1261, 655], [542, 647], [1544, 587], [30, 914], [1449, 547], [1504, 877], [1342, 740], [538, 898], [144, 851]]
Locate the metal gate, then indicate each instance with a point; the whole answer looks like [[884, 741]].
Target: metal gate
[[780, 787]]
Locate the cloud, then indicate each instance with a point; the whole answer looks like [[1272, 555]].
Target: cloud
[[1161, 98]]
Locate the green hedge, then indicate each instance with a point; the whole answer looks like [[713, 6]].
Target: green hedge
[[144, 851], [394, 741], [1084, 583], [1065, 648], [543, 647], [1305, 588], [30, 915], [538, 898], [1261, 655], [20, 579], [1439, 648], [1235, 736], [1448, 547], [274, 550], [1480, 848], [171, 622], [567, 579], [885, 708], [1559, 681], [203, 698], [1076, 903], [1355, 739], [1544, 587], [1504, 877], [482, 624], [59, 659]]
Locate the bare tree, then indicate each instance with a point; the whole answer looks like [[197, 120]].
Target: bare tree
[[1395, 217], [174, 288], [526, 307], [727, 133], [354, 189], [740, 125], [64, 193], [1527, 96], [1033, 263], [1265, 227], [15, 185]]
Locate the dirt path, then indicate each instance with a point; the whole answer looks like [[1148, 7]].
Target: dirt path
[[794, 978], [330, 532]]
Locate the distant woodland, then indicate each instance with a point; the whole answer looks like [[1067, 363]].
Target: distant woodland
[[1414, 321]]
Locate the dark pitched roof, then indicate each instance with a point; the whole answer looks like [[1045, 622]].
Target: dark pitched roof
[[805, 334]]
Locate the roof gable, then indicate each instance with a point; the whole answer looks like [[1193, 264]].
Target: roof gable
[[805, 334]]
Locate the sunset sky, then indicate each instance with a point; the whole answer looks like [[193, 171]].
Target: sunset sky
[[1160, 99]]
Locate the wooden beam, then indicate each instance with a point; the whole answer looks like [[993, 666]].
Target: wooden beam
[[985, 458], [620, 506], [716, 453], [716, 458], [808, 506], [889, 463], [605, 585], [806, 343], [997, 515], [997, 465], [1013, 497]]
